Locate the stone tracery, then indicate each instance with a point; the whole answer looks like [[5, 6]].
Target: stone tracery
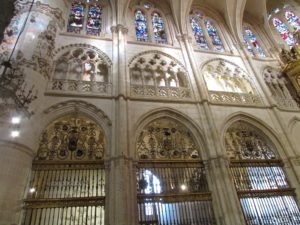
[[227, 83], [82, 68], [154, 74]]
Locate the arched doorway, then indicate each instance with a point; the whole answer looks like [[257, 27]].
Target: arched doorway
[[67, 184]]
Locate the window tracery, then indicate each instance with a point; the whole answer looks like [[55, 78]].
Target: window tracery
[[150, 24], [205, 32], [229, 84], [286, 24], [67, 184], [81, 69], [85, 16], [280, 88], [154, 74], [259, 177], [253, 45], [166, 186]]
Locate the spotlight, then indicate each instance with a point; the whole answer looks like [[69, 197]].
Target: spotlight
[[183, 187], [32, 190], [15, 120], [15, 133]]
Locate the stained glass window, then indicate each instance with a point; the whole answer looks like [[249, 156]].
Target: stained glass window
[[283, 31], [292, 19], [249, 47], [213, 34], [141, 29], [93, 26], [251, 38], [159, 29], [76, 17], [198, 32]]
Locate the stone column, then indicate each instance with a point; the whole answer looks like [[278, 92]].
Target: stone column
[[15, 168]]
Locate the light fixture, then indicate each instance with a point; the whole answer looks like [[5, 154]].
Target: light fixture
[[15, 120], [15, 133], [32, 190], [183, 187], [14, 94]]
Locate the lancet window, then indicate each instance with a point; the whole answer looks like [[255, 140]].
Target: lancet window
[[81, 69], [85, 16], [281, 89], [227, 83], [287, 24], [157, 75], [265, 194], [171, 181], [205, 32], [253, 45], [150, 25], [67, 184]]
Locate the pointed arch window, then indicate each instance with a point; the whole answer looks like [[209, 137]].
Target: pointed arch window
[[141, 29], [85, 17], [285, 34], [265, 194], [213, 34], [150, 24], [252, 43], [159, 28], [205, 32]]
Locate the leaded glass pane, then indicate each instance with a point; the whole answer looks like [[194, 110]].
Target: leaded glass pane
[[159, 29], [213, 34], [198, 32], [141, 29], [93, 26], [248, 46], [283, 31], [292, 19], [76, 17], [253, 40]]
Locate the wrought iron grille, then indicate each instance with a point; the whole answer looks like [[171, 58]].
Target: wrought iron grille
[[173, 193], [66, 193], [265, 194]]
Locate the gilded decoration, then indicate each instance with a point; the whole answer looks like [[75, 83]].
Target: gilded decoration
[[229, 84], [165, 139], [242, 141], [155, 74], [72, 138], [291, 66]]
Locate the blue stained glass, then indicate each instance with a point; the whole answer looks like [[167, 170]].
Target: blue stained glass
[[198, 32], [249, 47], [141, 29], [93, 26], [292, 19], [159, 29], [213, 34], [283, 31], [76, 17], [253, 40]]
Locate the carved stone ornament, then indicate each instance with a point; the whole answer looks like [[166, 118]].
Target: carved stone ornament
[[72, 138], [155, 74], [165, 139], [229, 84], [243, 141], [81, 68]]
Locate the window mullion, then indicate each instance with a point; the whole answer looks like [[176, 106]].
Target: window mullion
[[206, 35]]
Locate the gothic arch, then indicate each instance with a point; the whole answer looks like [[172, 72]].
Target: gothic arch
[[83, 108], [263, 129], [176, 116]]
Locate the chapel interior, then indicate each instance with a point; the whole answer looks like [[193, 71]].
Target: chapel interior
[[150, 112]]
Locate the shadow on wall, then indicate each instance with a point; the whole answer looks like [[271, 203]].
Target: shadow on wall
[[6, 12]]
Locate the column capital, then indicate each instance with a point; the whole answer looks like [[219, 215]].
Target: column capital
[[184, 37], [122, 28]]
